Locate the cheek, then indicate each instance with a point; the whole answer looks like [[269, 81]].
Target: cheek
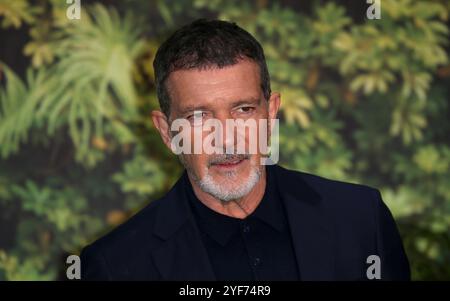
[[257, 138], [198, 162]]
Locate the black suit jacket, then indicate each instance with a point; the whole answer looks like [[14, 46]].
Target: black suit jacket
[[335, 226]]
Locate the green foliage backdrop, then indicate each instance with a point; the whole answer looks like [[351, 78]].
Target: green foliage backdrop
[[362, 100]]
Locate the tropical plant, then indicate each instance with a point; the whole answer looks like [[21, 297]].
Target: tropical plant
[[362, 100]]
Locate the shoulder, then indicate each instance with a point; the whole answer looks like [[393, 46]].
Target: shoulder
[[132, 239], [340, 198], [360, 222], [325, 186], [126, 251]]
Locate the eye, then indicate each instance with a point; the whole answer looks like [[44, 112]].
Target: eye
[[246, 109], [196, 117]]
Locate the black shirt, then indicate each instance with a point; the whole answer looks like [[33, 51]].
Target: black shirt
[[258, 247]]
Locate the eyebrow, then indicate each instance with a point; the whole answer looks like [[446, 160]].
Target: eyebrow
[[239, 102], [246, 101], [192, 108]]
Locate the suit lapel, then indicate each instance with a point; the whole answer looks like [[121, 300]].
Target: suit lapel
[[311, 230], [182, 255]]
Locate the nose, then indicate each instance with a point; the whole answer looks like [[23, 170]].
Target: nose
[[228, 138]]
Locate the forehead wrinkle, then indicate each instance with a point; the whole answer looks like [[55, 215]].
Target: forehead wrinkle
[[220, 83]]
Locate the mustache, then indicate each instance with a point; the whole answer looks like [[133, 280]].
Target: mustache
[[225, 158]]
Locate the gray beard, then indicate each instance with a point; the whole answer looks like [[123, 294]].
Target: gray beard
[[222, 192]]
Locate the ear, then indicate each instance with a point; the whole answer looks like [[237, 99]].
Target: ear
[[162, 125], [274, 104]]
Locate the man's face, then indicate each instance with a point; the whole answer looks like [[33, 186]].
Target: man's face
[[233, 92]]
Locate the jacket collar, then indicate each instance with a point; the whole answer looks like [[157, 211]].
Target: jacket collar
[[182, 255], [310, 225]]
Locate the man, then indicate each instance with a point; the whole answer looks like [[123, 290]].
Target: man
[[229, 217]]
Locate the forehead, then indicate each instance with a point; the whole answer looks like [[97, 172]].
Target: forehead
[[203, 86]]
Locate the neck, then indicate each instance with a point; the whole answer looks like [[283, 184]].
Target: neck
[[238, 208]]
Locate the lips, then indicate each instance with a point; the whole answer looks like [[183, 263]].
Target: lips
[[229, 164]]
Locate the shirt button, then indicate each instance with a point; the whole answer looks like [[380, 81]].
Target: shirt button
[[246, 229], [256, 261]]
